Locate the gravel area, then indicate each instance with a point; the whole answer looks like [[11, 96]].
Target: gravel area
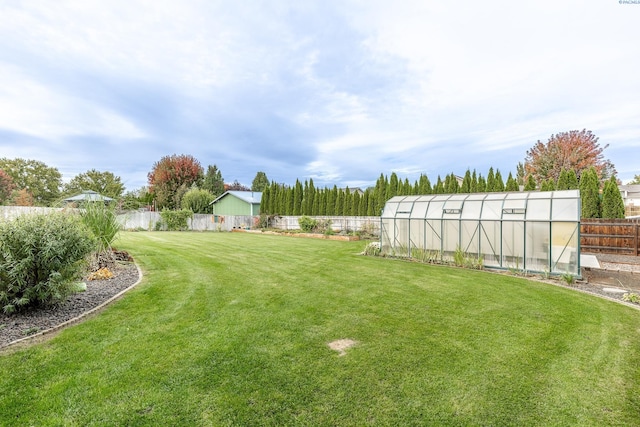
[[32, 322]]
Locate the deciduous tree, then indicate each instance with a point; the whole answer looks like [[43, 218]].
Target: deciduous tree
[[6, 186], [171, 177], [105, 183], [42, 182], [577, 150]]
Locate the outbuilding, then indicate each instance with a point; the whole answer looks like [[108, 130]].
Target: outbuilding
[[237, 203], [527, 231]]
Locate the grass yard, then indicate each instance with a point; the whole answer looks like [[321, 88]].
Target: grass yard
[[233, 329]]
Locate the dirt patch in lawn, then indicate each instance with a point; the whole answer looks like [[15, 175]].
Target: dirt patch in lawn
[[341, 345]]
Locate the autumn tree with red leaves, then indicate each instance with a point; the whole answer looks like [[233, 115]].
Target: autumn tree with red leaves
[[573, 150], [6, 186], [171, 177]]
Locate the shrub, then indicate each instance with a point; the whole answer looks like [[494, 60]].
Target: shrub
[[41, 257], [307, 224], [176, 220]]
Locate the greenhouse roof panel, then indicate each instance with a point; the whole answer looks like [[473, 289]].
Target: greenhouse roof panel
[[536, 205]]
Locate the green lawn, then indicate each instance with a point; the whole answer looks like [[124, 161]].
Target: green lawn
[[232, 329]]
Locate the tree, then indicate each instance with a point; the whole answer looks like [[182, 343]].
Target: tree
[[577, 150], [590, 194], [236, 186], [260, 182], [499, 182], [563, 180], [6, 186], [531, 184], [213, 181], [22, 198], [491, 181], [105, 183], [635, 181], [42, 182], [548, 185], [512, 184], [197, 200], [612, 203], [466, 182], [171, 177]]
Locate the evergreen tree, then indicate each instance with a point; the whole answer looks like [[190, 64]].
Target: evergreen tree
[[530, 184], [290, 200], [364, 204], [451, 184], [424, 185], [407, 189], [563, 180], [512, 184], [312, 198], [466, 182], [572, 180], [393, 186], [322, 202], [371, 206], [474, 182], [339, 209], [439, 186], [264, 201], [590, 194], [548, 185], [260, 182], [332, 199], [297, 199], [381, 194], [355, 204], [612, 203], [213, 181], [491, 181], [482, 184], [499, 182]]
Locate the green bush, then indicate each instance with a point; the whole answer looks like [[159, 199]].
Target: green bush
[[307, 224], [41, 256], [176, 220]]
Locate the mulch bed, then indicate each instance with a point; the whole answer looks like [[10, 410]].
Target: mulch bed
[[33, 322]]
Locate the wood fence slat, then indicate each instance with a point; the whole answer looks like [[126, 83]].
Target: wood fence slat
[[613, 236]]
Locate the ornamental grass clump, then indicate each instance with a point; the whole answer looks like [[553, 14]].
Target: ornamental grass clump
[[41, 257]]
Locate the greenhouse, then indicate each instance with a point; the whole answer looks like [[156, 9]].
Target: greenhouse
[[527, 231]]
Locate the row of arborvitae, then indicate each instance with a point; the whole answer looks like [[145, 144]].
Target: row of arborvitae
[[43, 256]]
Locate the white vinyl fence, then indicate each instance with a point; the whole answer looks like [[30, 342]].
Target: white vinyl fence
[[146, 220]]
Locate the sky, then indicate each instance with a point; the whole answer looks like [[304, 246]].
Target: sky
[[337, 91]]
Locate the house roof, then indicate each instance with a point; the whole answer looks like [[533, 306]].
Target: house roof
[[630, 191], [88, 196], [253, 197]]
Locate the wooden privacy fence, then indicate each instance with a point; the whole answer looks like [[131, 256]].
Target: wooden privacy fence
[[611, 236]]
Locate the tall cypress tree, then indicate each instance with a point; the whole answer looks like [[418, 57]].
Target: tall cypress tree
[[491, 181], [499, 182], [572, 180], [393, 186], [530, 185], [563, 180], [512, 184], [482, 184], [264, 201], [466, 182], [589, 194], [612, 203], [439, 189]]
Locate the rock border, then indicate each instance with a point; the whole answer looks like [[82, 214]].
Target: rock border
[[39, 336]]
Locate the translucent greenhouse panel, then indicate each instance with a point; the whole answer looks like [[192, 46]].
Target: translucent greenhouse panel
[[492, 210], [435, 209], [472, 209], [401, 241], [417, 238], [386, 235], [565, 210], [419, 209], [433, 241], [564, 247], [450, 238], [469, 235], [390, 209], [539, 209], [490, 243], [538, 245], [404, 209], [513, 244]]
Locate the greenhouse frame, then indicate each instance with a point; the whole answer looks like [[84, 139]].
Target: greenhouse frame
[[537, 231]]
